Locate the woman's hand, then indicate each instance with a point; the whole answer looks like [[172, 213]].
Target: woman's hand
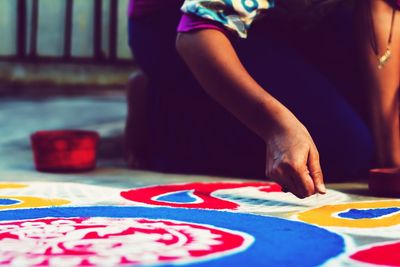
[[292, 156], [292, 159]]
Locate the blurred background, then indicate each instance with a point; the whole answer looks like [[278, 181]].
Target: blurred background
[[48, 33], [63, 64]]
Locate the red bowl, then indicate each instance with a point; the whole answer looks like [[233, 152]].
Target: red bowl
[[385, 182], [64, 150]]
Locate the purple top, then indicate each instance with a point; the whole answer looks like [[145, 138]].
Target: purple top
[[188, 23]]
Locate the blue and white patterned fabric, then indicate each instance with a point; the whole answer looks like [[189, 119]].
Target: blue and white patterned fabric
[[235, 15]]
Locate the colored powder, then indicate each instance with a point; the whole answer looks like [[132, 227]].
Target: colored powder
[[367, 213], [178, 197], [5, 201], [154, 195], [387, 254], [278, 242]]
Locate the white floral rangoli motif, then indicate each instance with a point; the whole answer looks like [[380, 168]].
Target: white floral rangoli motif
[[114, 241]]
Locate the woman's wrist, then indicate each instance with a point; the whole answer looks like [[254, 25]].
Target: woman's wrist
[[277, 119]]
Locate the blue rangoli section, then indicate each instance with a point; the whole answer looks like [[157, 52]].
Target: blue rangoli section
[[178, 197], [7, 202], [278, 242], [367, 213]]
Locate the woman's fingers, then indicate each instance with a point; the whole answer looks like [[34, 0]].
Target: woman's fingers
[[315, 169], [293, 161], [304, 183], [277, 174], [297, 173], [294, 177]]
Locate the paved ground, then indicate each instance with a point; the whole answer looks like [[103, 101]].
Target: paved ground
[[20, 117]]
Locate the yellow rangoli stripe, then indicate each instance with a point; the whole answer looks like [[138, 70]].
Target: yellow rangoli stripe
[[327, 215], [12, 185], [32, 202]]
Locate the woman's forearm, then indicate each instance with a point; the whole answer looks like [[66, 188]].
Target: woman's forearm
[[212, 59], [374, 25], [292, 158]]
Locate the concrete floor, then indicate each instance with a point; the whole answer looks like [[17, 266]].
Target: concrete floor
[[20, 117]]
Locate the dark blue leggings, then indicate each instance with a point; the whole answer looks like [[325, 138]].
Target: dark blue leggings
[[311, 72]]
